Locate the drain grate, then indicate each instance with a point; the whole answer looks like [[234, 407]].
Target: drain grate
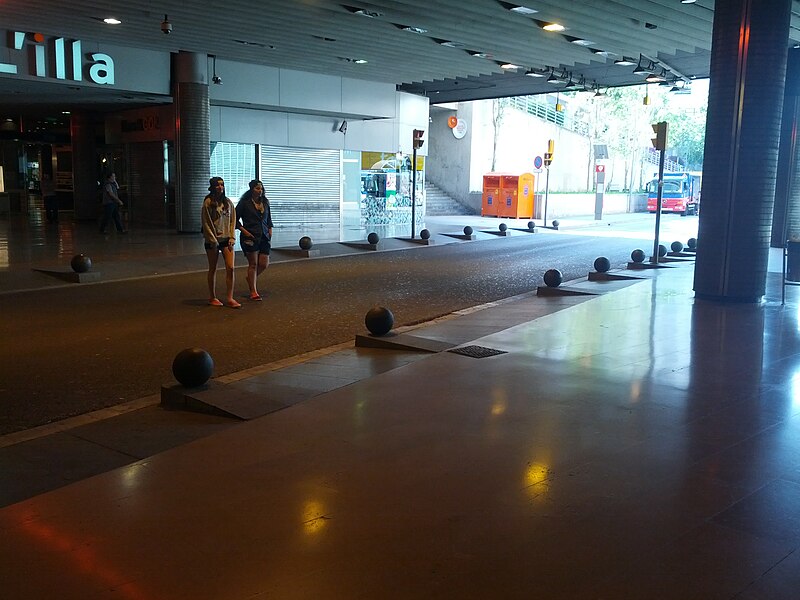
[[477, 351]]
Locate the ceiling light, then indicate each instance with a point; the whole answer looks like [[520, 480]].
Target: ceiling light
[[412, 29], [553, 27], [625, 62], [112, 21], [480, 54], [579, 41], [553, 78], [534, 73], [362, 11], [509, 66], [449, 43], [644, 66], [654, 78], [603, 53], [360, 61], [688, 1], [520, 10]]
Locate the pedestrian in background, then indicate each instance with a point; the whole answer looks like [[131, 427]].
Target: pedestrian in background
[[48, 188], [218, 216], [111, 204], [255, 226]]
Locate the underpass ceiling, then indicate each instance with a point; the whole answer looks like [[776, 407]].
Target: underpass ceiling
[[324, 36]]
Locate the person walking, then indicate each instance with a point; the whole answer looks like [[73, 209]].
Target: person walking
[[254, 223], [218, 216], [111, 204], [48, 188]]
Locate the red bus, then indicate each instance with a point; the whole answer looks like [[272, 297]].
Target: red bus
[[681, 193]]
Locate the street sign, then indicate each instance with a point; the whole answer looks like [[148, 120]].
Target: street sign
[[537, 162]]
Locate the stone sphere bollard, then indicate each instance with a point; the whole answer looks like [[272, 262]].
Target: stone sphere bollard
[[467, 230], [553, 278], [662, 250], [676, 246], [192, 367], [379, 320], [306, 243], [692, 243], [425, 234], [602, 264], [81, 263], [638, 255], [531, 225], [373, 238], [503, 227]]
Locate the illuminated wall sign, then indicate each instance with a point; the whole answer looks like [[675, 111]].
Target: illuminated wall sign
[[66, 59]]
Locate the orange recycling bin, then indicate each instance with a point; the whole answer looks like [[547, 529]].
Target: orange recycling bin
[[517, 194], [491, 194]]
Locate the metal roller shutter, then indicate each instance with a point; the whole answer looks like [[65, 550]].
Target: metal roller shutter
[[303, 185]]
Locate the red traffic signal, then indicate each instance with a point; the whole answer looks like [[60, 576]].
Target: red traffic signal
[[418, 138]]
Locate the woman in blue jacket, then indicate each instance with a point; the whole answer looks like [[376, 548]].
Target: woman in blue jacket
[[254, 221]]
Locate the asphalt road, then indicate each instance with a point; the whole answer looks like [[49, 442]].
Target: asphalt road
[[72, 350]]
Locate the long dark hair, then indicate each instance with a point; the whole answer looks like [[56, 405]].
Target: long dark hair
[[250, 193], [224, 200]]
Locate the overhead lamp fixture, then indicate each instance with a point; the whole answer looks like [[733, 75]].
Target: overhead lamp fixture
[[553, 27], [578, 41], [480, 54], [644, 66], [111, 21], [411, 29], [625, 62], [449, 43], [534, 73], [655, 77], [516, 8], [363, 12], [605, 53], [166, 26], [509, 66], [553, 78], [688, 1], [598, 93]]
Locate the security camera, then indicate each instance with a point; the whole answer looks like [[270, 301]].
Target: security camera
[[166, 26], [217, 79]]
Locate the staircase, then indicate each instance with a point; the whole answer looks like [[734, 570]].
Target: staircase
[[440, 204]]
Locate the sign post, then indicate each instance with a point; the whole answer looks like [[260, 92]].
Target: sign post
[[659, 143], [548, 158], [600, 190], [418, 141]]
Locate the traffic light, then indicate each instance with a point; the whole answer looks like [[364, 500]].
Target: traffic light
[[418, 141], [551, 150], [660, 135]]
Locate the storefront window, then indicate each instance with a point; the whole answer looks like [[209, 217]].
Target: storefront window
[[386, 182], [236, 164]]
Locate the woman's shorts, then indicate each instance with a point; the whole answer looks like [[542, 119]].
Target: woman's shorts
[[222, 243], [261, 245]]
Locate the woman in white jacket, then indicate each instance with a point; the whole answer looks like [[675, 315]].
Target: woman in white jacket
[[219, 230]]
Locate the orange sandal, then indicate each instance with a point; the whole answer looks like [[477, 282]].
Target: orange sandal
[[255, 296], [214, 302], [233, 304]]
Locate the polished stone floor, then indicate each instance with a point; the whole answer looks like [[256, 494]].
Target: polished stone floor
[[634, 444]]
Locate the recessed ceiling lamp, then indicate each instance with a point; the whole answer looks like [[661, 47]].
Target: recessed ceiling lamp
[[516, 8], [412, 29], [578, 41], [480, 54], [605, 53], [449, 43], [362, 11], [112, 21], [688, 1], [553, 27], [509, 66], [534, 73], [625, 62]]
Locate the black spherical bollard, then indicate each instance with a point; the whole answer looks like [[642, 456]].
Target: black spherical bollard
[[306, 243], [602, 264], [662, 250], [373, 238], [192, 367], [503, 227], [379, 320], [81, 263], [467, 230], [553, 278], [531, 225], [676, 246], [638, 255], [556, 223], [425, 234], [692, 243]]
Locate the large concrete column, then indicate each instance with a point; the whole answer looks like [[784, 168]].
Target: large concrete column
[[748, 70], [84, 167], [192, 148], [786, 215]]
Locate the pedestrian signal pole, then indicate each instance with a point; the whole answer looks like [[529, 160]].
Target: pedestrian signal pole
[[418, 141], [548, 158], [659, 141]]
